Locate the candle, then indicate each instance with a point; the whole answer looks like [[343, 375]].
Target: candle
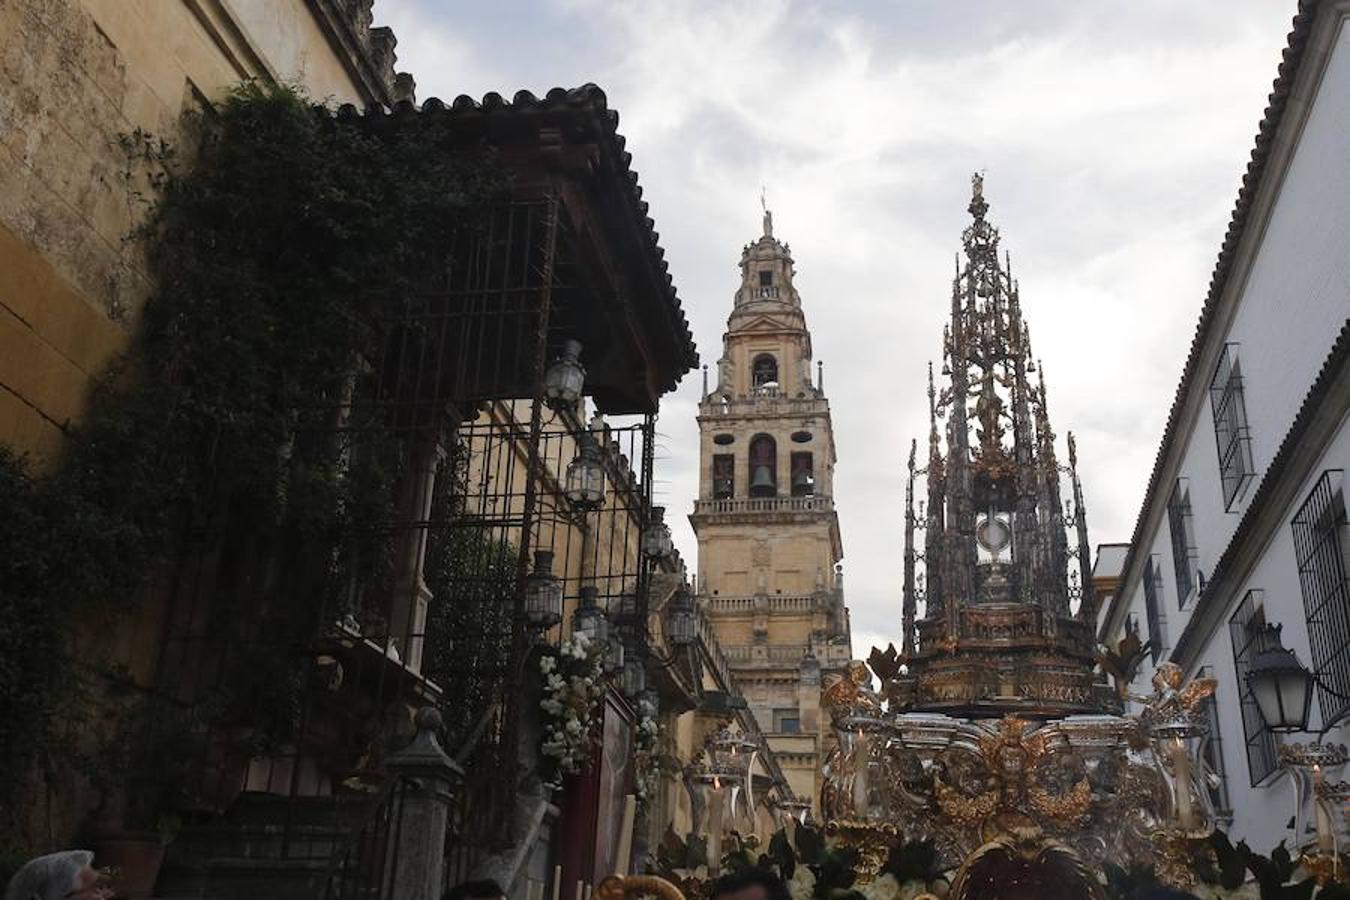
[[580, 893], [860, 776], [557, 881], [715, 829], [1181, 768], [588, 890], [626, 835], [1325, 838]]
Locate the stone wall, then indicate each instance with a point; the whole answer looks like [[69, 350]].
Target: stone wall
[[76, 78]]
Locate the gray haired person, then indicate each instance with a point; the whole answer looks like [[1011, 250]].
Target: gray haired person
[[68, 875]]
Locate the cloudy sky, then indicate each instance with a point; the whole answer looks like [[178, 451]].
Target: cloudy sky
[[1113, 137]]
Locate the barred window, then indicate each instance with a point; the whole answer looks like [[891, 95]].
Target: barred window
[[1320, 536], [1247, 633], [1212, 752], [1157, 619], [1230, 426], [1183, 541]]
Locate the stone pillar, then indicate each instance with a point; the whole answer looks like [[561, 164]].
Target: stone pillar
[[421, 812]]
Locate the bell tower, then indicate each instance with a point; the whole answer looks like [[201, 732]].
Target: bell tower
[[769, 548]]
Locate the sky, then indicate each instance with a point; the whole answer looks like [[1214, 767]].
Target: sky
[[1113, 138]]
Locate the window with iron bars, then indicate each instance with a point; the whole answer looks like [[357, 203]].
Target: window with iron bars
[[1320, 536], [1230, 426], [1183, 541], [1246, 630], [1212, 753], [1157, 619]]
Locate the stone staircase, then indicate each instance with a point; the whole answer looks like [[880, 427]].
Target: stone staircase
[[265, 846]]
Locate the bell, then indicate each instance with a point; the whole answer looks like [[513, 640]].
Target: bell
[[762, 481], [802, 482]]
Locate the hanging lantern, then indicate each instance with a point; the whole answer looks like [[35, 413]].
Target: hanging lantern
[[1280, 685], [565, 378], [614, 655], [656, 540], [633, 679], [589, 619], [680, 626], [543, 594], [585, 481]]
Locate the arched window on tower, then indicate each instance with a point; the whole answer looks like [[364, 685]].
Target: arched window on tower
[[763, 466], [803, 475], [764, 371], [724, 476]]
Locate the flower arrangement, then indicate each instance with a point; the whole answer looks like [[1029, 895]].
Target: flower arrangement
[[814, 865], [818, 866], [572, 688], [645, 752]]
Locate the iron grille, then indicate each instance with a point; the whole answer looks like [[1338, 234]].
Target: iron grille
[[1183, 542], [1230, 426], [1212, 752], [415, 596], [1320, 534], [1157, 619], [1245, 629]]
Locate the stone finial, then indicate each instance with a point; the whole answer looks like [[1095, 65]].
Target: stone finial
[[424, 755]]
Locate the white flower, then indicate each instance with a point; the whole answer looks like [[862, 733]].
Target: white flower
[[803, 884], [548, 663], [911, 889]]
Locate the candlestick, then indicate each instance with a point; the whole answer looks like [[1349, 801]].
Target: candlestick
[[1181, 768], [860, 776], [715, 829], [557, 882], [626, 835], [1326, 842], [580, 893]]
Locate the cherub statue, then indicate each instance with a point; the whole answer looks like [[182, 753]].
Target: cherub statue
[[853, 693], [1171, 700]]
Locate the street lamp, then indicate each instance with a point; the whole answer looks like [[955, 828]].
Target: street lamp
[[589, 619], [584, 486], [543, 594], [633, 679], [1281, 686], [565, 378], [680, 629], [656, 540]]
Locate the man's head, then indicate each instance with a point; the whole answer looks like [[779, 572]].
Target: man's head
[[476, 890], [750, 884], [68, 875]]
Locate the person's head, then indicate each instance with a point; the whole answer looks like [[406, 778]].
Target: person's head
[[474, 890], [750, 884], [68, 875]]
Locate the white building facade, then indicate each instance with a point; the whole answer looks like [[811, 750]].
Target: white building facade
[[1244, 520]]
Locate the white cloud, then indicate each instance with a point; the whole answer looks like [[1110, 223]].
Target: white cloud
[[1114, 138]]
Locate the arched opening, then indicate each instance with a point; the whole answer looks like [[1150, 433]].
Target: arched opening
[[764, 370], [763, 466], [803, 475], [724, 476]]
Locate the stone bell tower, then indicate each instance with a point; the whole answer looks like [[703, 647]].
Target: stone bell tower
[[769, 548]]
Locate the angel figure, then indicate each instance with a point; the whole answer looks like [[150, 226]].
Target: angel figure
[[853, 693], [1171, 700]]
